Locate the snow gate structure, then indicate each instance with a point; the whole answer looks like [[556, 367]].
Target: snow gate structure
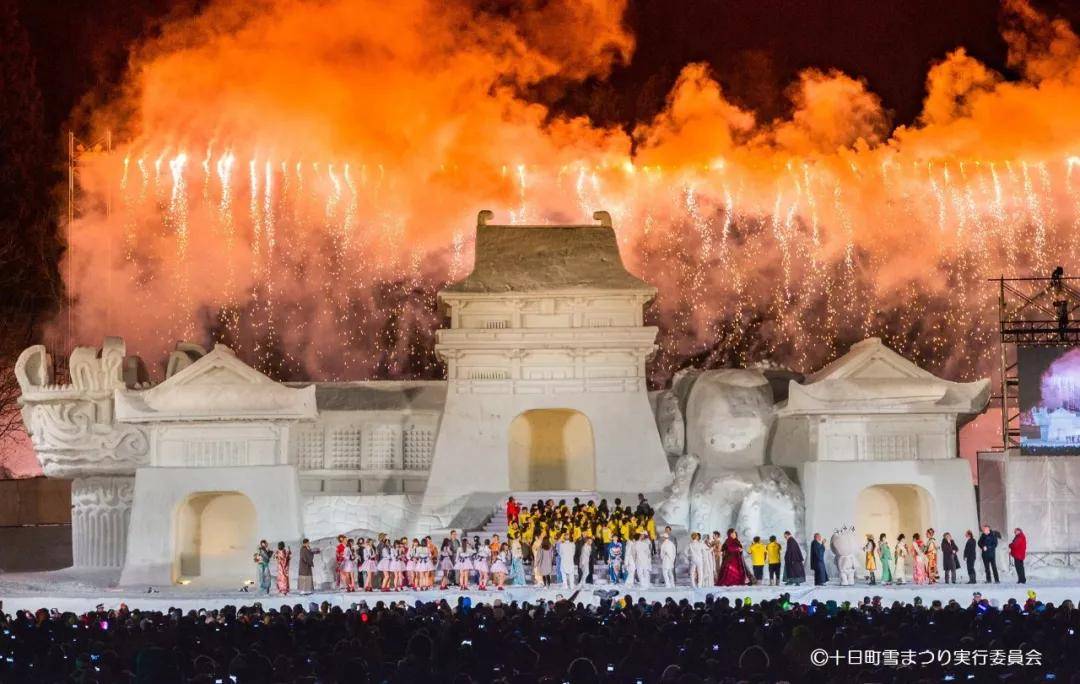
[[545, 358], [874, 439]]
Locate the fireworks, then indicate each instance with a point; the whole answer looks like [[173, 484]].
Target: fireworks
[[786, 239]]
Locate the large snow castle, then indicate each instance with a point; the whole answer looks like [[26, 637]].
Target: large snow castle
[[545, 348]]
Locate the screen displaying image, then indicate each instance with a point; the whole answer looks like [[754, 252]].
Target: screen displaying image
[[1049, 400]]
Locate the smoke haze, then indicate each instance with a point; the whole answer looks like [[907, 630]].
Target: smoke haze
[[298, 178]]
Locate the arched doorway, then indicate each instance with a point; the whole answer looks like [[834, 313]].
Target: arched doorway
[[215, 539], [892, 509], [552, 450]]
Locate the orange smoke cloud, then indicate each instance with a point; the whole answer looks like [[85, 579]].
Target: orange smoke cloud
[[301, 177]]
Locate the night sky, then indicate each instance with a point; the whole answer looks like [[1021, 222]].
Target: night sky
[[755, 47]]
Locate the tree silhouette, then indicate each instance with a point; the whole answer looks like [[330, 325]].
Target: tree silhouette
[[29, 247]]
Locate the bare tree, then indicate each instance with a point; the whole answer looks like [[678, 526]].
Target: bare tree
[[30, 251]]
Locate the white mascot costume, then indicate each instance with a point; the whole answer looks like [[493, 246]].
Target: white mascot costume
[[845, 544]]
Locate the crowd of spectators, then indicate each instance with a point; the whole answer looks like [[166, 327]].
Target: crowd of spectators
[[619, 640]]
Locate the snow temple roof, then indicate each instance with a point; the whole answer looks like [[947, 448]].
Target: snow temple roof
[[511, 258], [871, 378], [218, 386]]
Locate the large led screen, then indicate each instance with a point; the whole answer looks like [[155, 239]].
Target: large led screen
[[1049, 400]]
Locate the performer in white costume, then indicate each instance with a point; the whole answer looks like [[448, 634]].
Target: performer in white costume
[[667, 560], [566, 561], [696, 553]]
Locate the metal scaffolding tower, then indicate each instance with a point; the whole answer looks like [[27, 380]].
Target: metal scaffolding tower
[[1036, 312]]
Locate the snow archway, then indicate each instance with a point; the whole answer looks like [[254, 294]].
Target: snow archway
[[892, 509], [552, 450], [215, 539]]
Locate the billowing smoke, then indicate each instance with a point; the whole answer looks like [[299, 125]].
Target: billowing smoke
[[302, 176]]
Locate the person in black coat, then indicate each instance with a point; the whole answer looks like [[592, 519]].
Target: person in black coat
[[970, 548], [950, 560], [817, 561], [988, 542], [794, 570]]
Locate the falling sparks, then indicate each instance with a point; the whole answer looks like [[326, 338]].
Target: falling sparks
[[178, 203], [788, 240]]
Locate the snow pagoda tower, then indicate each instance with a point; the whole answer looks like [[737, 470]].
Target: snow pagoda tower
[[545, 357]]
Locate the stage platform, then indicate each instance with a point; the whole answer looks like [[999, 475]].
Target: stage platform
[[80, 591]]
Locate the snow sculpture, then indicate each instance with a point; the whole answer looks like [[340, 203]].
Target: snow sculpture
[[71, 426], [874, 422], [75, 435], [722, 479], [760, 500], [185, 354], [728, 416], [548, 327], [772, 505], [846, 545], [100, 511], [682, 383], [670, 422], [675, 509]]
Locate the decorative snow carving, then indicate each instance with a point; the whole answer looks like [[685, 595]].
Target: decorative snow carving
[[71, 426], [185, 354], [70, 441], [405, 514], [675, 509], [34, 368], [871, 378], [670, 422], [755, 501], [772, 505], [95, 371], [100, 513]]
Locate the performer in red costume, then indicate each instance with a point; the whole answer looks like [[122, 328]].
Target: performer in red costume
[[339, 563], [732, 568]]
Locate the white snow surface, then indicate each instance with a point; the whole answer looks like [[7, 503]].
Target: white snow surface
[[82, 590]]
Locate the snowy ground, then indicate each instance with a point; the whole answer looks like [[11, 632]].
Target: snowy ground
[[79, 591]]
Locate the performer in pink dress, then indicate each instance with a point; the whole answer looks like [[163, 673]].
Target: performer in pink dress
[[411, 558], [368, 565], [732, 568], [348, 566], [919, 573], [283, 556], [397, 563]]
